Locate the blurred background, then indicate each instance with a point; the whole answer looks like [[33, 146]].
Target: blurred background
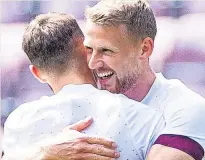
[[179, 47]]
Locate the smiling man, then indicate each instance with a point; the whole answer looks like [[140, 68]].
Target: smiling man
[[120, 38], [111, 56]]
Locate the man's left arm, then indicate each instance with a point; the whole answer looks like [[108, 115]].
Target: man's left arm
[[160, 152]]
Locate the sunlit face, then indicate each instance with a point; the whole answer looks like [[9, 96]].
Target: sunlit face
[[113, 57]]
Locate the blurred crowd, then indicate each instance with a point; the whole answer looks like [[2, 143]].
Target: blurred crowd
[[179, 50]]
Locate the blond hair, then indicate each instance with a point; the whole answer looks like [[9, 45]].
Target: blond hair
[[136, 15]]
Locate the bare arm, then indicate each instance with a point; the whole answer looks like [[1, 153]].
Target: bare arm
[[160, 152]]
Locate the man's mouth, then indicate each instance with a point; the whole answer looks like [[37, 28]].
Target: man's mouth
[[105, 75]]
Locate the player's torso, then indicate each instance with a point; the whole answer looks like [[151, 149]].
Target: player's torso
[[110, 121]]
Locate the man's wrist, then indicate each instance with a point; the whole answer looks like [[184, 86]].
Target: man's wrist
[[44, 154]]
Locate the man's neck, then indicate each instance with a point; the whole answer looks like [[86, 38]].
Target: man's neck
[[71, 78], [141, 88]]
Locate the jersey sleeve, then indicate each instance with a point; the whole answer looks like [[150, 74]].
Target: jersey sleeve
[[186, 120], [26, 126], [13, 132]]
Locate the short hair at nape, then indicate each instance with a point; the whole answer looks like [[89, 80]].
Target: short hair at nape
[[136, 15], [49, 41]]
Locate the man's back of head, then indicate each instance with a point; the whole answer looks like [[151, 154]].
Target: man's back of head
[[49, 41], [54, 44]]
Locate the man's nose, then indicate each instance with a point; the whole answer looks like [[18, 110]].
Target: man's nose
[[95, 61]]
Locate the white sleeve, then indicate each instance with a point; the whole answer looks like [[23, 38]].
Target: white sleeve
[[12, 137], [23, 128], [187, 121]]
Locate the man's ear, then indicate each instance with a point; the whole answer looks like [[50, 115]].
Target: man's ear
[[147, 48], [37, 74]]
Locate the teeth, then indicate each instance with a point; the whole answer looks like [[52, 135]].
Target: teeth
[[104, 74]]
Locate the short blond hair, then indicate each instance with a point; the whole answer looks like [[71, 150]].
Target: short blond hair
[[136, 15]]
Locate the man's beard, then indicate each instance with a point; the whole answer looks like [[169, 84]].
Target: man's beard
[[127, 82], [122, 84]]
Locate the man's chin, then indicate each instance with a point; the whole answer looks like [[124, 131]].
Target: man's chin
[[113, 91], [110, 89]]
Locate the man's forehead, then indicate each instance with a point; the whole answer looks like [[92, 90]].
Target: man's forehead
[[88, 26], [99, 43], [110, 37], [93, 28]]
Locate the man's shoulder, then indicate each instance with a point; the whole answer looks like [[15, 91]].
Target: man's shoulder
[[177, 99], [178, 92], [183, 104], [184, 112], [30, 110]]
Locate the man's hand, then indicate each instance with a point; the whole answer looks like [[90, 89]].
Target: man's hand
[[70, 144], [85, 148], [82, 147]]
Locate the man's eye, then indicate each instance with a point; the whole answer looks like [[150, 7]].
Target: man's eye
[[107, 51], [89, 50]]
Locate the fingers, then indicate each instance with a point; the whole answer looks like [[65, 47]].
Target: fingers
[[101, 150], [85, 147], [81, 125], [79, 149], [97, 146], [100, 141]]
